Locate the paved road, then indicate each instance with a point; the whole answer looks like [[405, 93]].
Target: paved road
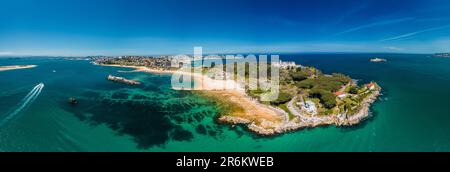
[[294, 109]]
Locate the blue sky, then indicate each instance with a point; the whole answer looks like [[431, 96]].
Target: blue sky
[[120, 27]]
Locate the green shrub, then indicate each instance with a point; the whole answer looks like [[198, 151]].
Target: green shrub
[[327, 98], [283, 97], [329, 83], [353, 90], [299, 76]]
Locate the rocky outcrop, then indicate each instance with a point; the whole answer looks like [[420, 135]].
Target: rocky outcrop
[[364, 111], [122, 80], [234, 120]]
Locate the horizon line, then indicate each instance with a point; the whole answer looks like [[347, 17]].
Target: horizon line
[[246, 53]]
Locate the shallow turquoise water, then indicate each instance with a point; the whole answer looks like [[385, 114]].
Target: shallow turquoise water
[[412, 114]]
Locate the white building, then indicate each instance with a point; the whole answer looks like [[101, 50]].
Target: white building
[[309, 106], [284, 65]]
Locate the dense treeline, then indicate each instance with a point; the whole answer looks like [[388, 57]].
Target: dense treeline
[[327, 98], [283, 98], [323, 87], [328, 83]]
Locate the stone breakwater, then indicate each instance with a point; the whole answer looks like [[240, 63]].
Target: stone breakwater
[[122, 80], [270, 128]]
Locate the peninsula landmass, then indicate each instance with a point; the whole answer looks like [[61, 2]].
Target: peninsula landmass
[[307, 97], [446, 55]]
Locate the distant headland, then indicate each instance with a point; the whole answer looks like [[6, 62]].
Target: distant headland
[[307, 97], [15, 67], [446, 55]]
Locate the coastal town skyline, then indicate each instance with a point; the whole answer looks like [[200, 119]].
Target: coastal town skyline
[[73, 28]]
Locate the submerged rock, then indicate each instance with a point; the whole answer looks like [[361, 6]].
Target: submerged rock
[[72, 100]]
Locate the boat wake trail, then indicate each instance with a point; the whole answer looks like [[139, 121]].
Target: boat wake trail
[[27, 100]]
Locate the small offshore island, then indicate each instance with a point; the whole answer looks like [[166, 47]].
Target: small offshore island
[[15, 67], [378, 60], [307, 97]]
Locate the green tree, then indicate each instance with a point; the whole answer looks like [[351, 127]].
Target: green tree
[[353, 90], [327, 98], [283, 97], [299, 76]]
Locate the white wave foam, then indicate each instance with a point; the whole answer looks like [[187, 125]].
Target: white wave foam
[[28, 99]]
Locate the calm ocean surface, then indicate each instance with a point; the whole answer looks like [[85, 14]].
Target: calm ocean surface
[[412, 115]]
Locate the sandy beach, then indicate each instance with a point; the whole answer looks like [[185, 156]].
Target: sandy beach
[[253, 111], [14, 67]]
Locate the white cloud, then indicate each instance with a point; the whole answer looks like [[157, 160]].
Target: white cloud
[[6, 53], [407, 35], [394, 48], [440, 46], [375, 24]]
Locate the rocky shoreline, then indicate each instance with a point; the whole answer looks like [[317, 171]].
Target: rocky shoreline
[[269, 128]]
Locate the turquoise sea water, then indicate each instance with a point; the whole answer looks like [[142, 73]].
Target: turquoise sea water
[[412, 115]]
